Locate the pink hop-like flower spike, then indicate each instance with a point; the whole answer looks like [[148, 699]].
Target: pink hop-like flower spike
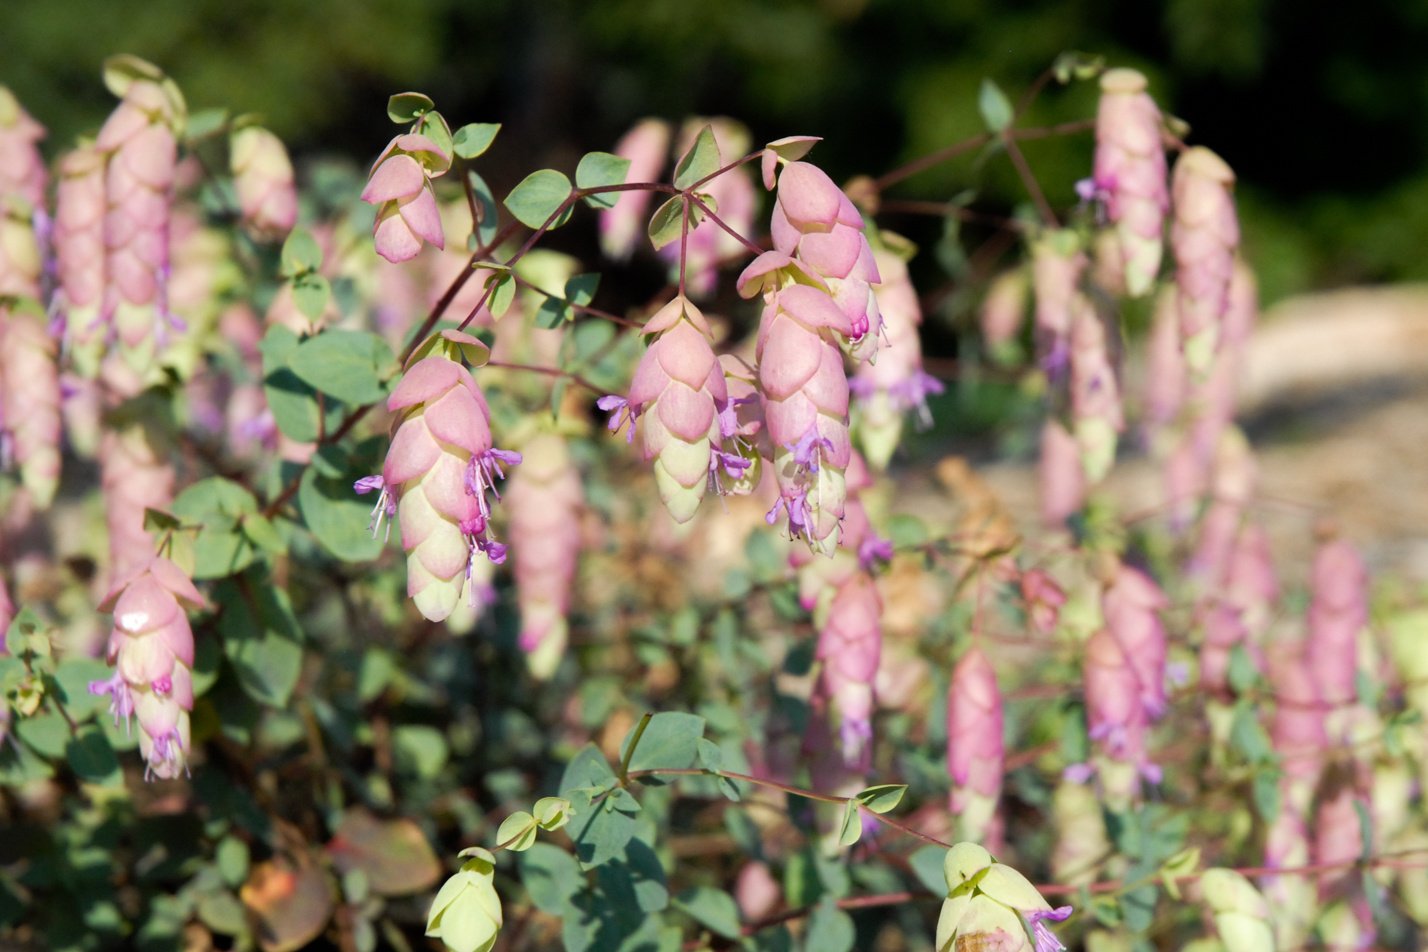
[[1337, 613], [151, 649], [815, 223], [1095, 395], [22, 169], [1003, 310], [1043, 599], [1130, 172], [850, 642], [439, 467], [1061, 479], [80, 207], [1116, 719], [734, 200], [679, 389], [134, 474], [400, 186], [1204, 236], [29, 377], [263, 178], [1057, 263], [805, 395], [138, 139], [1166, 385], [545, 500], [622, 225], [1132, 604], [975, 746], [894, 384], [22, 196], [1234, 480]]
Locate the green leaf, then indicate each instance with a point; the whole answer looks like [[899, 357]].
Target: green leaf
[[710, 756], [551, 876], [338, 517], [670, 741], [601, 834], [474, 138], [420, 749], [1247, 735], [551, 813], [597, 170], [310, 293], [712, 908], [503, 293], [345, 364], [92, 758], [233, 859], [45, 732], [995, 107], [1073, 64], [217, 505], [587, 769], [882, 798], [926, 865], [408, 107], [488, 218], [517, 832], [830, 929], [301, 254], [850, 828], [701, 161], [538, 197], [666, 224], [293, 402], [580, 289], [1242, 673], [261, 638], [73, 676]]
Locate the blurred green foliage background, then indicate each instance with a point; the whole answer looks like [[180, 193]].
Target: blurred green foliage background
[[1323, 112]]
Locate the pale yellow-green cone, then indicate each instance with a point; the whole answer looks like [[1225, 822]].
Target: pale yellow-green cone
[[1081, 841], [466, 913], [1241, 914], [992, 906]]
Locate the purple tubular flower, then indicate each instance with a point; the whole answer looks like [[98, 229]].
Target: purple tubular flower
[[1044, 938]]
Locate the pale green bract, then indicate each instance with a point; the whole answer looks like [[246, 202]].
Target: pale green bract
[[466, 913]]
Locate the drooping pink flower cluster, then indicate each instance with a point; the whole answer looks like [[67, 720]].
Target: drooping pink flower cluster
[[679, 389], [894, 384], [817, 297], [1204, 236], [22, 195], [263, 178], [975, 746], [1130, 174], [134, 474], [400, 186], [1239, 609], [140, 143], [1096, 412], [79, 256], [1060, 476], [847, 609], [1131, 605], [439, 467], [545, 501], [1057, 262], [1338, 612], [151, 649], [622, 224], [29, 379], [1003, 310]]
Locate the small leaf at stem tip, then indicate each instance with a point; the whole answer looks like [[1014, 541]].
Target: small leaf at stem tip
[[517, 832], [598, 170], [311, 293], [882, 798], [580, 289], [300, 254], [665, 224], [503, 293], [1074, 64], [994, 105], [408, 107], [701, 161], [538, 197], [850, 830], [472, 349], [474, 138], [552, 813]]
